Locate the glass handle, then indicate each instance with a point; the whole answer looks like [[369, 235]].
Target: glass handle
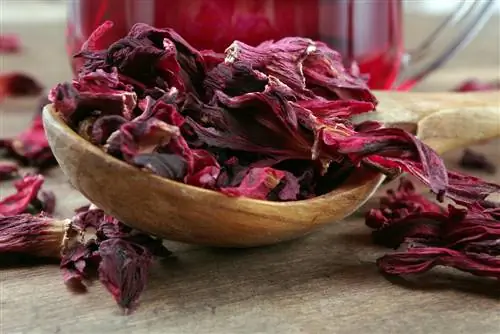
[[454, 33]]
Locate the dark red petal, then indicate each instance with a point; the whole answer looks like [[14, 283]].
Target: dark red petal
[[420, 260], [123, 270], [31, 146], [18, 85], [169, 166], [93, 43], [8, 170], [140, 137], [389, 147], [473, 85], [258, 183], [27, 190], [77, 262], [466, 190], [88, 216]]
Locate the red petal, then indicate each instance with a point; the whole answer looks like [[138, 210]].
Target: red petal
[[123, 270], [258, 183], [27, 191], [8, 170], [18, 85], [9, 43]]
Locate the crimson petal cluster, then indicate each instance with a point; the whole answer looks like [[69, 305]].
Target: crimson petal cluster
[[267, 122]]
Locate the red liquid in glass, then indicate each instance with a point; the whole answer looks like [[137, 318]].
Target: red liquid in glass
[[368, 32]]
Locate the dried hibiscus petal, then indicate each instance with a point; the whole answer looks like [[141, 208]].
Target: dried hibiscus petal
[[26, 199], [104, 126], [465, 189], [419, 260], [8, 170], [140, 137], [88, 216], [121, 255], [234, 79], [473, 85], [126, 256], [257, 183], [149, 56], [99, 91], [111, 228], [123, 270], [18, 85], [204, 170], [31, 147], [403, 214], [303, 65], [77, 262], [462, 238], [169, 166], [257, 122], [399, 149]]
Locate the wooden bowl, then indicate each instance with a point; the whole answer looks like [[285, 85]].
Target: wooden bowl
[[181, 212]]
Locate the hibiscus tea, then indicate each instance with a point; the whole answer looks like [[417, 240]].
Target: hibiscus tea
[[368, 32]]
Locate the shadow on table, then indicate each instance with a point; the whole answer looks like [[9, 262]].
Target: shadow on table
[[325, 263], [442, 281], [23, 261]]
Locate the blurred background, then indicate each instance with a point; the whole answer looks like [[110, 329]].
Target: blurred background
[[421, 18], [33, 11]]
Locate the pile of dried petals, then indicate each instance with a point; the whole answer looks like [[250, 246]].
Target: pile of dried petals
[[121, 255], [267, 122], [466, 238]]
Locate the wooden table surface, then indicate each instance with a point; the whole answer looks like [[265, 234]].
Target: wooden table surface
[[323, 283]]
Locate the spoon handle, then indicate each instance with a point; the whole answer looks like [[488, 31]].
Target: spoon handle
[[444, 121]]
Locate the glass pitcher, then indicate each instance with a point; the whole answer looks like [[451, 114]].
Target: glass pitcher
[[368, 32]]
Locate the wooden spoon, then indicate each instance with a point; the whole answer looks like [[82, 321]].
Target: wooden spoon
[[185, 213]]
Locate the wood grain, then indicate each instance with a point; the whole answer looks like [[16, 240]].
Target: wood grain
[[324, 283]]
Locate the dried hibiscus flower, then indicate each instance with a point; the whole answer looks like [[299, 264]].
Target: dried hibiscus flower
[[18, 85], [8, 170], [281, 110], [29, 198], [467, 239], [118, 254], [30, 147], [9, 43], [121, 255], [473, 85]]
